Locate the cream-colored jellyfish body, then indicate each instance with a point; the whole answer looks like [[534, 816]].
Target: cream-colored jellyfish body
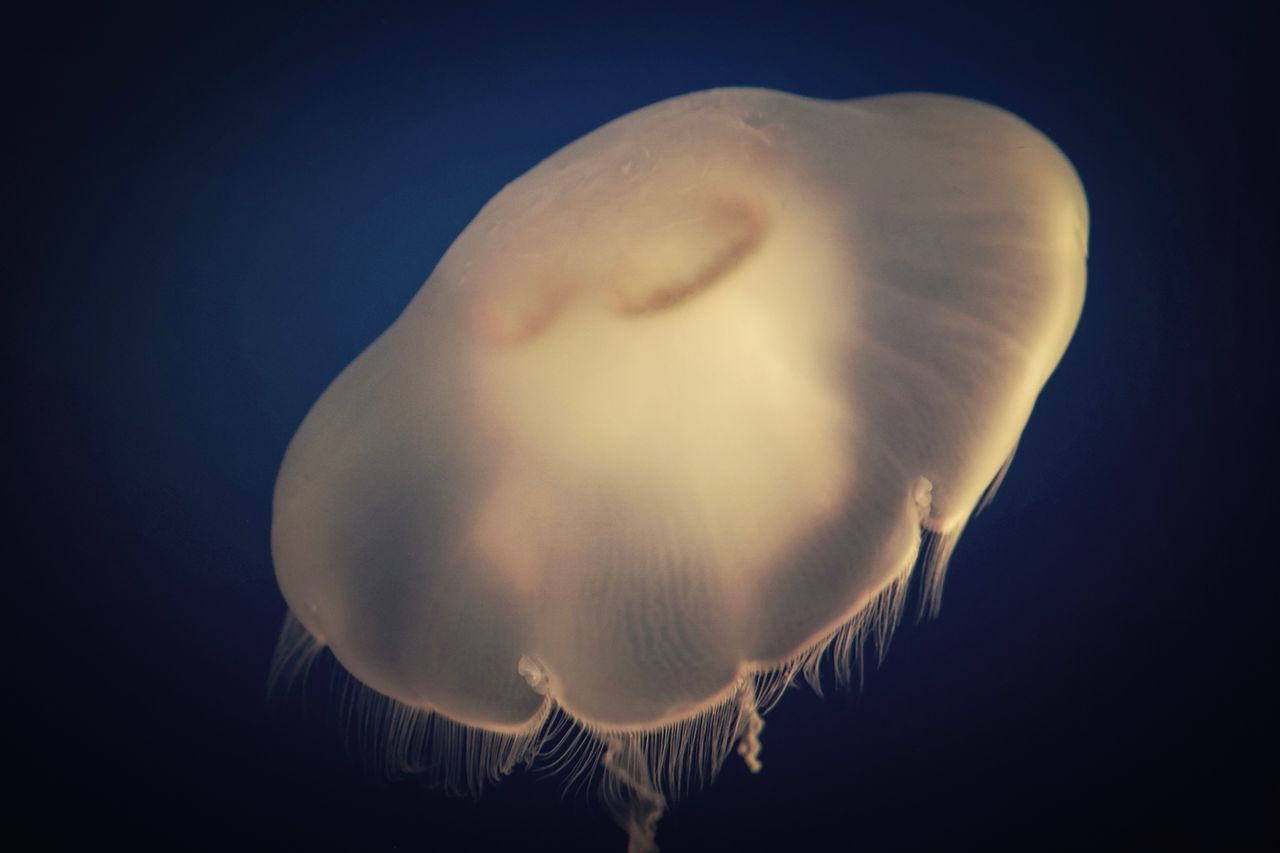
[[670, 416]]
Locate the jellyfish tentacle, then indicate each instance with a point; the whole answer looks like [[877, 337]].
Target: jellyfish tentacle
[[630, 793], [750, 724]]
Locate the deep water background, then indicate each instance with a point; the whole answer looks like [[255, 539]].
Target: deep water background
[[213, 210]]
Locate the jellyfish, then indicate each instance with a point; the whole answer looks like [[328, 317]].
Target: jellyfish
[[672, 422]]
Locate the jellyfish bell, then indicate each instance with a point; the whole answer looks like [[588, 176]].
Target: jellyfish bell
[[672, 417]]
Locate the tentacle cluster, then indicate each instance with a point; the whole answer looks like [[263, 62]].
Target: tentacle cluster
[[637, 772]]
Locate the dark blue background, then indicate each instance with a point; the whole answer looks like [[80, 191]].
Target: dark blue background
[[214, 211]]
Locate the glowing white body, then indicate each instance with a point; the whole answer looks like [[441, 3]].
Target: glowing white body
[[674, 410]]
